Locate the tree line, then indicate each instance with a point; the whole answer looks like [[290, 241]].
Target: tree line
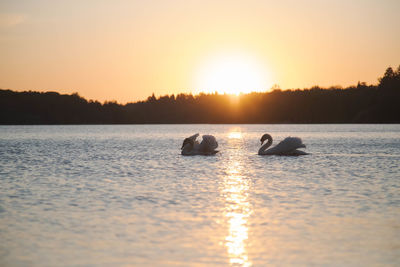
[[361, 103]]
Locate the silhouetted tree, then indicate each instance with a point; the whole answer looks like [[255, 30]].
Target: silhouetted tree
[[390, 80]]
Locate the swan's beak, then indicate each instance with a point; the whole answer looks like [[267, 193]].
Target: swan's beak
[[261, 142]]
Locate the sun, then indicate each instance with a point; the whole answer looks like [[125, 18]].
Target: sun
[[232, 74]]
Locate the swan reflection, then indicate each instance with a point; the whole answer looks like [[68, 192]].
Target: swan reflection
[[237, 209]]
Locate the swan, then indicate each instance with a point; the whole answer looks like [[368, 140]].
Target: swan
[[287, 147], [207, 146]]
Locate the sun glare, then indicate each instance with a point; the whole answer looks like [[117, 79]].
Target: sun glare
[[232, 74]]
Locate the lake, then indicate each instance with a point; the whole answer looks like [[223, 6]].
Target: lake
[[120, 195]]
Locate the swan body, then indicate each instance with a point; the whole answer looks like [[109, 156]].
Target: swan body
[[207, 146], [287, 147]]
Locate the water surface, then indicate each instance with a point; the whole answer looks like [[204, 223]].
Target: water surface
[[123, 195]]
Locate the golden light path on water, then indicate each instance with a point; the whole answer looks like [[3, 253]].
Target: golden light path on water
[[237, 207]]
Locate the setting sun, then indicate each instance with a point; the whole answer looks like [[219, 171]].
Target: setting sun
[[232, 74]]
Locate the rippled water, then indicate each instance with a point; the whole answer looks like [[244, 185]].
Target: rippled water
[[123, 195]]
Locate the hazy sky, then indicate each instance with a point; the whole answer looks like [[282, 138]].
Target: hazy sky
[[126, 50]]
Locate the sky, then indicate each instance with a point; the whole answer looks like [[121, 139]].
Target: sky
[[127, 50]]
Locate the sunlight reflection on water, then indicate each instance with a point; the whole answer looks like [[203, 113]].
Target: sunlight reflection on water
[[237, 209], [235, 135]]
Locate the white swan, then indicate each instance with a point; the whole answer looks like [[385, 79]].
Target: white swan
[[207, 146], [288, 147]]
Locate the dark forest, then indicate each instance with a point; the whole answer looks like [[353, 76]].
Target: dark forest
[[355, 104]]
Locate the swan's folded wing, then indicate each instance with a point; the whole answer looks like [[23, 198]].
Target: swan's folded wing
[[193, 137], [208, 144], [289, 144]]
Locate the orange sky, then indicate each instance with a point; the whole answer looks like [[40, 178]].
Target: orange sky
[[126, 50]]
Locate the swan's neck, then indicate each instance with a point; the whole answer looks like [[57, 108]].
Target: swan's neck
[[262, 149], [187, 149]]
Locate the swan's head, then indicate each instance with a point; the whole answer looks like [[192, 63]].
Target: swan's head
[[265, 137], [187, 141]]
